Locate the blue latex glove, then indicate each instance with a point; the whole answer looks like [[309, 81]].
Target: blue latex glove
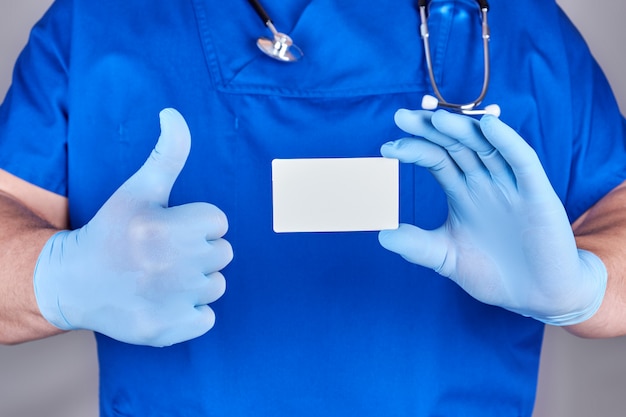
[[140, 272], [507, 240]]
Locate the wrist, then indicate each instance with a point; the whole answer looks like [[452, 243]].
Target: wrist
[[594, 283], [46, 281]]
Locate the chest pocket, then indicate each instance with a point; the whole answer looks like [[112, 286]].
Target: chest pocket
[[349, 49]]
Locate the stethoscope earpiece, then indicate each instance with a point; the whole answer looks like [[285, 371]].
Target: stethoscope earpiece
[[493, 109], [429, 102], [432, 103], [280, 47]]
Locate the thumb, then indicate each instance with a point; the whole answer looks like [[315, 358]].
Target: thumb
[[155, 179], [422, 247]]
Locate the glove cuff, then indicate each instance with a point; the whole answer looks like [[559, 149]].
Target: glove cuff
[[45, 281], [597, 275]]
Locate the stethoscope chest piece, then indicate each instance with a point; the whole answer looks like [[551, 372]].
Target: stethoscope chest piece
[[280, 46]]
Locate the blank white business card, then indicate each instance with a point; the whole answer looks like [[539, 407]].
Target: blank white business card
[[335, 194]]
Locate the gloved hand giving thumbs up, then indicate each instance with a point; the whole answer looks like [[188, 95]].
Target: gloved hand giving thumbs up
[[140, 272], [507, 240]]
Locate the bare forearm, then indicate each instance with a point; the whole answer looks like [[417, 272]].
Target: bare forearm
[[602, 230], [22, 235]]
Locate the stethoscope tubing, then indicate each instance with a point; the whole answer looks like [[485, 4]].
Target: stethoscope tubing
[[260, 11], [469, 108]]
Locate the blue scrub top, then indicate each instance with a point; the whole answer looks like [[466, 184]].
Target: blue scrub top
[[326, 324]]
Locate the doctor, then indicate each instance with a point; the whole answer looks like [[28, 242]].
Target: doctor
[[104, 230]]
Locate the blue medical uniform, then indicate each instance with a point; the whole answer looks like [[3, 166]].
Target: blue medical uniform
[[325, 324]]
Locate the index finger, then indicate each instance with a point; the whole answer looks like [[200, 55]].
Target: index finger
[[204, 218]]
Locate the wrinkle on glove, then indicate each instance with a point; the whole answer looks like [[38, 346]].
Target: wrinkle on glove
[[507, 240]]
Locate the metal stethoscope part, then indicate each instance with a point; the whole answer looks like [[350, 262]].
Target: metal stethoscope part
[[432, 102], [280, 47]]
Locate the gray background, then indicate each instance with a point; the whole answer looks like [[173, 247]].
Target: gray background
[[57, 377]]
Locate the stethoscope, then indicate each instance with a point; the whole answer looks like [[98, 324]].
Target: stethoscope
[[282, 48], [432, 102]]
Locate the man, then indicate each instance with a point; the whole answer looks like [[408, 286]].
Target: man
[[312, 324]]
